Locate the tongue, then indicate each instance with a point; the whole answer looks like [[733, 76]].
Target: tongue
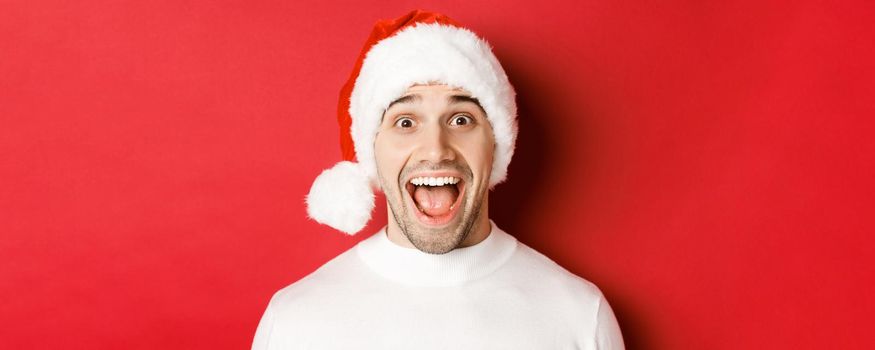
[[435, 200]]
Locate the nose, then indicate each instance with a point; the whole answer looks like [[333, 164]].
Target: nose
[[435, 146]]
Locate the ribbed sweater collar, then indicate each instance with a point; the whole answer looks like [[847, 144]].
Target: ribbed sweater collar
[[412, 267]]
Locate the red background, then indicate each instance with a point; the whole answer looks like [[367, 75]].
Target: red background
[[708, 165]]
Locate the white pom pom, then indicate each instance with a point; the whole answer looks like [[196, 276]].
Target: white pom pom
[[341, 197]]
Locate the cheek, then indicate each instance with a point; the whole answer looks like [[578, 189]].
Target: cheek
[[390, 155], [478, 151]]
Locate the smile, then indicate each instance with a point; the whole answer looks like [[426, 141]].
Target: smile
[[435, 198]]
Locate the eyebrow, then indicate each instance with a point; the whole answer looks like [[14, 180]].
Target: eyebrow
[[452, 100], [457, 99], [405, 99]]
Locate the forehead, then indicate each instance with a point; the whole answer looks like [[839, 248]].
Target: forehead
[[435, 89]]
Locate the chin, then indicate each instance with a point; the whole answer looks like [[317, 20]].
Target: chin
[[436, 241]]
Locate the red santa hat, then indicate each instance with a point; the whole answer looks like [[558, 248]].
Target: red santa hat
[[418, 48]]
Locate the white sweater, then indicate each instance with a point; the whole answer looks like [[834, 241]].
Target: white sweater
[[497, 294]]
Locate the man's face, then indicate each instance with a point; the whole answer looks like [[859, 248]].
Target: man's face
[[434, 154]]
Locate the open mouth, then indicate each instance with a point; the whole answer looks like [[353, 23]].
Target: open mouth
[[435, 199]]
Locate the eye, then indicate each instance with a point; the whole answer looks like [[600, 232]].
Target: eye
[[404, 123], [461, 120]]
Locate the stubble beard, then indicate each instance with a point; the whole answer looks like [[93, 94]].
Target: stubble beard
[[436, 241]]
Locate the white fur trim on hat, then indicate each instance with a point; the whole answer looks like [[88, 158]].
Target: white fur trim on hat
[[426, 53], [341, 197]]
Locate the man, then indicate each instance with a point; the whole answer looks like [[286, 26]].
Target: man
[[430, 116]]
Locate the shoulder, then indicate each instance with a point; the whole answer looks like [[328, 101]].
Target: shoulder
[[329, 278], [554, 279], [294, 300], [573, 305]]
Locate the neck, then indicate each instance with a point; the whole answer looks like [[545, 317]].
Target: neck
[[479, 231], [415, 268]]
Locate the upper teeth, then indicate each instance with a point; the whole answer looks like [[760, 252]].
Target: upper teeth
[[434, 181]]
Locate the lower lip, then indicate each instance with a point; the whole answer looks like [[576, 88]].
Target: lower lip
[[437, 221]]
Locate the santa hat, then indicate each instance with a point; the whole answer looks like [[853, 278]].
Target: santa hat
[[418, 48]]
